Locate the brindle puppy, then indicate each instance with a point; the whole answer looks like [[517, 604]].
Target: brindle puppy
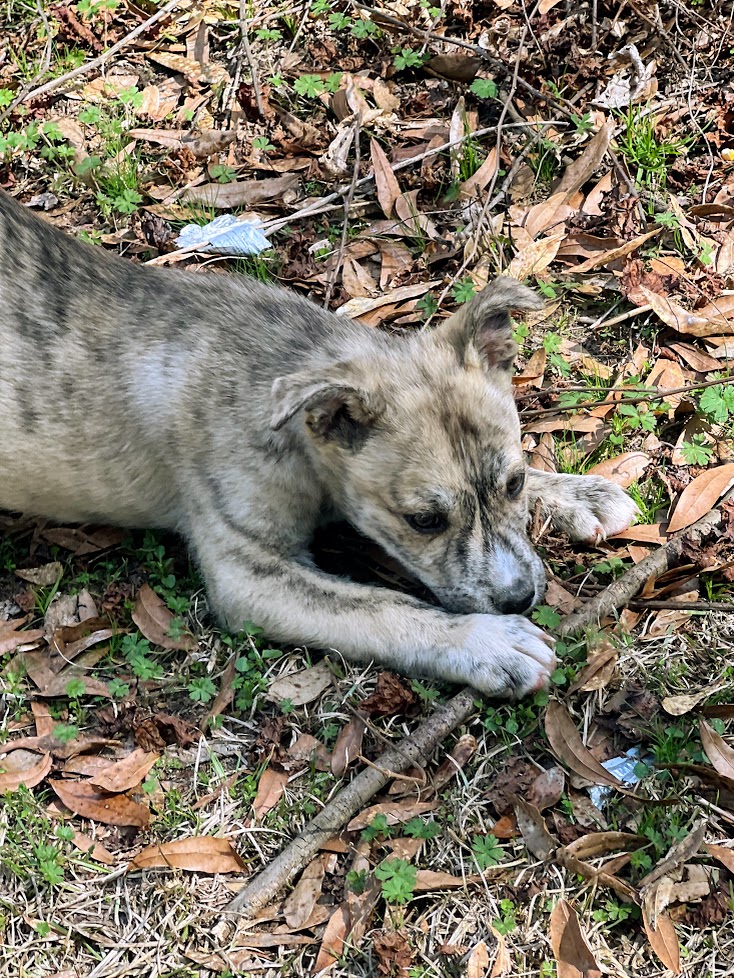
[[242, 416]]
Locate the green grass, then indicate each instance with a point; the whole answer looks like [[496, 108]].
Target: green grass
[[648, 155]]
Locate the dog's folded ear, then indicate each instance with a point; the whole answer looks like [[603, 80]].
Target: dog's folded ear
[[481, 332], [337, 406]]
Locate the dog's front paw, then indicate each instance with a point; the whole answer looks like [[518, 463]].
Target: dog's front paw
[[505, 655], [594, 510]]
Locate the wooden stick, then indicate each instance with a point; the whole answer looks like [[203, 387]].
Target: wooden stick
[[621, 591], [412, 750], [673, 605]]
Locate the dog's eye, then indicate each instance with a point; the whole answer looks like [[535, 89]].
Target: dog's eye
[[515, 484], [427, 522]]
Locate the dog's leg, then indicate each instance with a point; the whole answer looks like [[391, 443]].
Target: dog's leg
[[295, 603], [586, 507]]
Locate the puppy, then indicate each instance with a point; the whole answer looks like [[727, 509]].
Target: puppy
[[242, 416]]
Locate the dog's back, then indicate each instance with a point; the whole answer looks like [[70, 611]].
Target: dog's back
[[113, 373]]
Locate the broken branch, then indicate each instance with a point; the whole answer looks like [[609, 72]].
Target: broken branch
[[412, 750], [621, 591]]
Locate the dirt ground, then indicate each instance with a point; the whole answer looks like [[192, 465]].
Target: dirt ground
[[396, 158]]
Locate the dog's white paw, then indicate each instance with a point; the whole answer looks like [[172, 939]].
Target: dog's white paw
[[504, 655], [596, 509]]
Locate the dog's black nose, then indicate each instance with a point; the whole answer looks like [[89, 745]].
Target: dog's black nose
[[517, 601]]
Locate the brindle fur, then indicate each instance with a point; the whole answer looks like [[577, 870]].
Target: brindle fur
[[242, 416]]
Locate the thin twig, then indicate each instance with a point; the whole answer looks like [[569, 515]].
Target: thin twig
[[47, 52], [250, 60], [621, 591], [673, 605], [410, 751], [55, 83], [638, 399], [334, 273]]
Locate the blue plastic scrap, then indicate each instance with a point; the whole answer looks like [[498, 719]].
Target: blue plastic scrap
[[226, 234]]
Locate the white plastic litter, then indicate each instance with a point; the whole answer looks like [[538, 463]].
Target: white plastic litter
[[226, 234], [621, 767]]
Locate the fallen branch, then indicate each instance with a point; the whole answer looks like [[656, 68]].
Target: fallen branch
[[621, 591], [673, 605], [297, 854]]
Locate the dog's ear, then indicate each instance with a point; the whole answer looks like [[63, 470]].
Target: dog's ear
[[481, 332], [337, 406]]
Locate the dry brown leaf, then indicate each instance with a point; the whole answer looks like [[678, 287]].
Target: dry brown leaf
[[348, 745], [45, 723], [11, 638], [677, 706], [302, 687], [393, 952], [547, 214], [394, 811], [388, 188], [558, 597], [429, 879], [663, 940], [533, 829], [226, 692], [455, 67], [721, 853], [570, 949], [478, 961], [596, 844], [599, 669], [704, 322], [83, 799], [127, 773], [299, 905], [568, 747], [199, 854], [624, 469], [91, 848], [577, 173], [43, 576], [13, 773], [194, 72], [332, 943], [71, 640], [502, 961], [465, 747], [547, 788], [720, 310], [532, 372], [677, 856], [605, 258], [269, 792], [355, 308], [536, 256], [155, 620], [224, 196], [599, 877], [717, 750], [656, 533], [479, 180], [700, 496], [391, 697], [356, 280]]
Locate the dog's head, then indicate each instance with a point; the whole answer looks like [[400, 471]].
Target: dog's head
[[422, 445]]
